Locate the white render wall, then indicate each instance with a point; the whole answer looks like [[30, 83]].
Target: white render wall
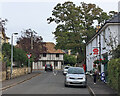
[[114, 29], [51, 57], [39, 65]]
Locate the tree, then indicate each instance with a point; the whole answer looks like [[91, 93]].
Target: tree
[[112, 13], [3, 23], [19, 55], [24, 42], [74, 23], [69, 59]]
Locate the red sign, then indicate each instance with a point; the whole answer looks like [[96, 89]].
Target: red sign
[[95, 50], [28, 55]]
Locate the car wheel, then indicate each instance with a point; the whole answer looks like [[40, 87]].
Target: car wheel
[[84, 86], [65, 85]]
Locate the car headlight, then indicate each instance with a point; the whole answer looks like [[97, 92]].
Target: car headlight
[[67, 77], [84, 77]]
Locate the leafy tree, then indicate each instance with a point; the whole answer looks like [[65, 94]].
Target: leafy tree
[[3, 23], [69, 59], [24, 42], [112, 13], [19, 55], [75, 25]]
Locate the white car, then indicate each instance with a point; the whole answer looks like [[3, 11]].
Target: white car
[[65, 70], [75, 77]]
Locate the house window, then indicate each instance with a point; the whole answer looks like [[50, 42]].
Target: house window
[[55, 63], [44, 54], [44, 62], [103, 39], [57, 55]]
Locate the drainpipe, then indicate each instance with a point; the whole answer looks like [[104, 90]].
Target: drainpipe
[[100, 51]]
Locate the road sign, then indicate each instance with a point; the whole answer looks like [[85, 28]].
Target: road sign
[[28, 55]]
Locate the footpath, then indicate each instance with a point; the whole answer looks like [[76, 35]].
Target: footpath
[[100, 88], [12, 82]]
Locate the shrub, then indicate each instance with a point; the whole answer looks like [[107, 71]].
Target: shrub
[[116, 52], [114, 73]]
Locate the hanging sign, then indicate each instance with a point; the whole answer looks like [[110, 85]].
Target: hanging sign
[[95, 51]]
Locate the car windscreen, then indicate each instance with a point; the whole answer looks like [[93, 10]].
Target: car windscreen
[[47, 64], [75, 71], [66, 67]]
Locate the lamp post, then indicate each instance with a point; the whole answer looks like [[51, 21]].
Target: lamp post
[[12, 54]]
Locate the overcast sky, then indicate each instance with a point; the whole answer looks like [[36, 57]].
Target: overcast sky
[[34, 13]]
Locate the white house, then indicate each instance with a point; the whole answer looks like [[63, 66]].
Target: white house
[[106, 39], [49, 56]]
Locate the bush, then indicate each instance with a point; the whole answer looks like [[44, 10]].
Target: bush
[[116, 52], [114, 73]]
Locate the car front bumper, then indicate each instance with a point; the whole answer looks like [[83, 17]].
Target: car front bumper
[[76, 82]]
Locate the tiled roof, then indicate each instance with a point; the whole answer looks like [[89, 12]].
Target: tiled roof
[[49, 47]]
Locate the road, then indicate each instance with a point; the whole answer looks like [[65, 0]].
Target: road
[[46, 83]]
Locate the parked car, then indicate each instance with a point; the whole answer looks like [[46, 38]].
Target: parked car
[[75, 77], [48, 67], [65, 70]]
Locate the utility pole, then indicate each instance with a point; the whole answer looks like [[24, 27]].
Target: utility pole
[[32, 43], [31, 40]]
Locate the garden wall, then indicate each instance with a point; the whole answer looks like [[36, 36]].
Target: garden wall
[[16, 72]]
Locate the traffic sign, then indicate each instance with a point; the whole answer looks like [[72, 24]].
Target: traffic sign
[[28, 55]]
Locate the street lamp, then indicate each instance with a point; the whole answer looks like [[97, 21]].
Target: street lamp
[[12, 53]]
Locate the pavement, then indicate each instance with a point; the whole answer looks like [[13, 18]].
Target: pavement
[[12, 82], [100, 88]]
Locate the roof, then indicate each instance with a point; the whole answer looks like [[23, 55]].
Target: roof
[[50, 48], [115, 19]]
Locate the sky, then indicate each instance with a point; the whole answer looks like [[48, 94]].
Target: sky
[[25, 14]]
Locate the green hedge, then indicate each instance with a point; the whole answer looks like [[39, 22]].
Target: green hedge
[[114, 74]]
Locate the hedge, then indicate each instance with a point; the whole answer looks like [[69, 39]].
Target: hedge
[[114, 74]]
